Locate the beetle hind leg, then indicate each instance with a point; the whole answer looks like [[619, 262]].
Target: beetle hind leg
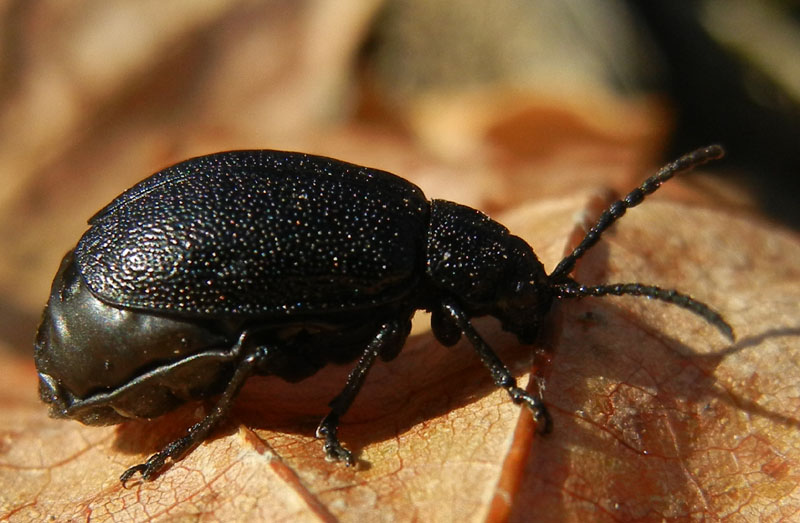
[[386, 343], [198, 432]]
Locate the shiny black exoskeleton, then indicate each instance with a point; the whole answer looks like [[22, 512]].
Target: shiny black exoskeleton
[[266, 262]]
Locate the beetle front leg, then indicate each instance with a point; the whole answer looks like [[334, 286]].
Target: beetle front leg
[[198, 432], [500, 374], [387, 342]]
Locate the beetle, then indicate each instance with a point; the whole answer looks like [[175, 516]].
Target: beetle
[[264, 262]]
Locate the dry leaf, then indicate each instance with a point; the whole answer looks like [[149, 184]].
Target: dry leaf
[[655, 415]]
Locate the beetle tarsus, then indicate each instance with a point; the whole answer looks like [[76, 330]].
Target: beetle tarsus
[[149, 468], [540, 415], [334, 451], [128, 474]]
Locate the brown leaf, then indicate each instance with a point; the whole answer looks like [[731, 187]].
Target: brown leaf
[[655, 415]]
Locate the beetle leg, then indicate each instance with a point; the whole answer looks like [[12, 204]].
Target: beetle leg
[[200, 430], [386, 343], [500, 374]]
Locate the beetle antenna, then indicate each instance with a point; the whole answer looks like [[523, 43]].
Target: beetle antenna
[[634, 198], [576, 290]]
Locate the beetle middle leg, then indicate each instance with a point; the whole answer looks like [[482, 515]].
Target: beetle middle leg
[[500, 374], [386, 343]]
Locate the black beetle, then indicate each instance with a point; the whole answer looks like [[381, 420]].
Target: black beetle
[[266, 262]]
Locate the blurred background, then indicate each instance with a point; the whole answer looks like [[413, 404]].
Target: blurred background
[[492, 105]]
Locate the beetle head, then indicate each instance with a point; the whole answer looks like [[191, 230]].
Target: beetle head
[[523, 293]]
